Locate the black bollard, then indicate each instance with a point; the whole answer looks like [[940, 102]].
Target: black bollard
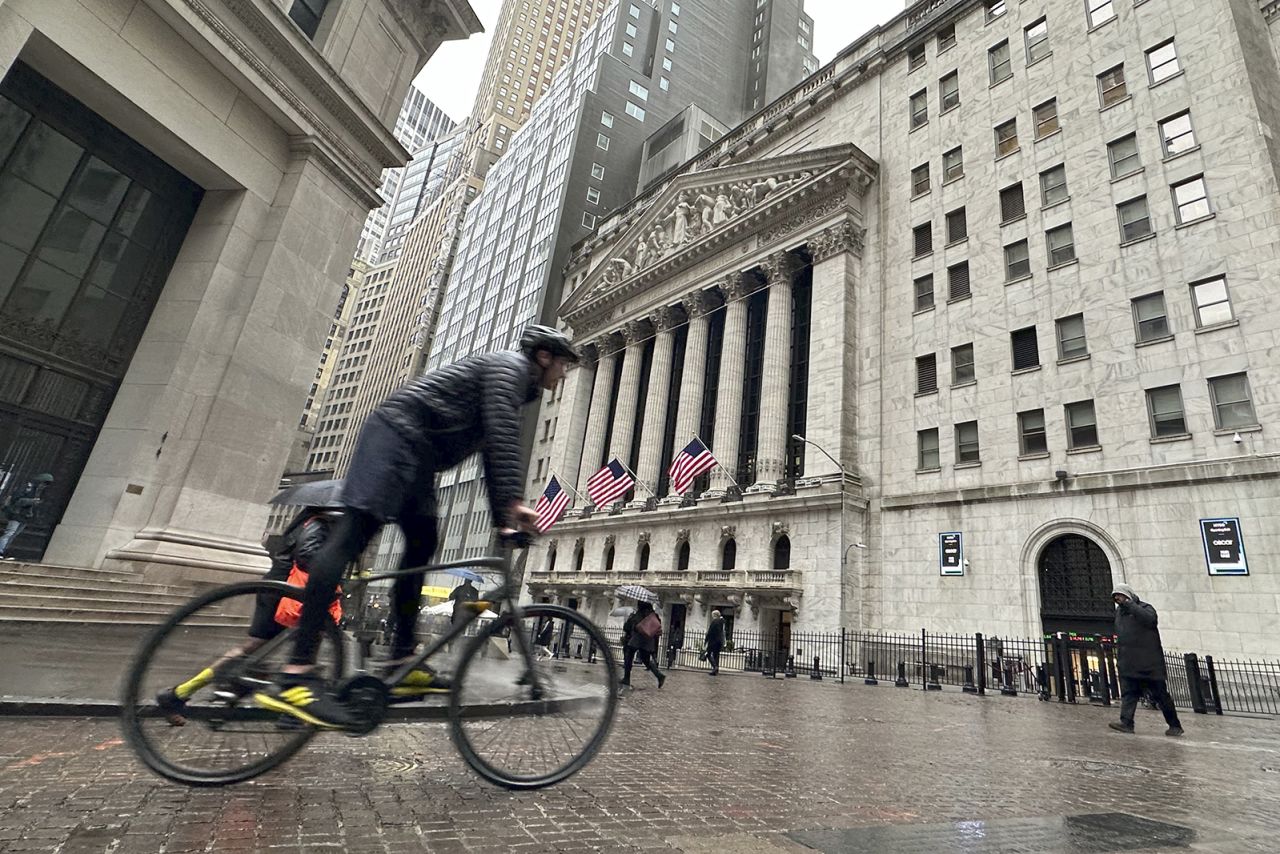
[[901, 681], [933, 683], [968, 687], [790, 672], [1008, 689], [816, 673], [871, 674]]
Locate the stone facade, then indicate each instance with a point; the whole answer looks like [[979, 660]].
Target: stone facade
[[285, 132], [1181, 387]]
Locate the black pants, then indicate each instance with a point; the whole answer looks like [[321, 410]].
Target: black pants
[[1131, 689], [646, 660], [713, 658]]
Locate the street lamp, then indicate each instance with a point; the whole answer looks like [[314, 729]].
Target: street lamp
[[843, 551]]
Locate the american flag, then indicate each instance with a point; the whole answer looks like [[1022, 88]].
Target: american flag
[[609, 484], [550, 506], [689, 463]]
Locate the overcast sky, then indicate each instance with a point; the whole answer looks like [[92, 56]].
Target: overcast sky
[[453, 74]]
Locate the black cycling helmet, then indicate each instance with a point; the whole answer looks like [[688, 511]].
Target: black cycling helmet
[[555, 342]]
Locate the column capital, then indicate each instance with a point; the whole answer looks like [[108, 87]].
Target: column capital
[[607, 345], [635, 331], [844, 236], [736, 287], [664, 318], [779, 266], [698, 304]]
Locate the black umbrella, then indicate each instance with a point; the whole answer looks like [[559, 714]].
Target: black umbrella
[[316, 493]]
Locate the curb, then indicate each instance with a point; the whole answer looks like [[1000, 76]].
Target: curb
[[42, 707]]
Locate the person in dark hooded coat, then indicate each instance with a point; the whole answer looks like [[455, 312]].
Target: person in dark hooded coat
[[1140, 662], [637, 643]]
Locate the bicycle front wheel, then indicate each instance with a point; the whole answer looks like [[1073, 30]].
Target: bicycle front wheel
[[533, 698], [188, 709]]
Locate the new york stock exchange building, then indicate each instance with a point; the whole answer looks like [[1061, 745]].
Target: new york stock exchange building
[[944, 391]]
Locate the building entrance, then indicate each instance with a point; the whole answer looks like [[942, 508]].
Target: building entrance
[[90, 224], [1075, 587]]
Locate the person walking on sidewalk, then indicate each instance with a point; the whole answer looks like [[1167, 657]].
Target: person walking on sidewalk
[[640, 638], [1141, 660], [715, 642]]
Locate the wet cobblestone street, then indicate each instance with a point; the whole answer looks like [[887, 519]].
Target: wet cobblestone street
[[734, 764]]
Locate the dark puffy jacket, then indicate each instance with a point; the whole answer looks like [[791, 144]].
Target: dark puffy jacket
[[468, 406], [715, 634], [1138, 641], [300, 541]]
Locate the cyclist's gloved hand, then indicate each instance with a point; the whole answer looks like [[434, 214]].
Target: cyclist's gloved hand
[[521, 517], [515, 539]]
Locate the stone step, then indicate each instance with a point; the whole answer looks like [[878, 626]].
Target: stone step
[[29, 613], [71, 591], [90, 587], [71, 601], [92, 578], [55, 569]]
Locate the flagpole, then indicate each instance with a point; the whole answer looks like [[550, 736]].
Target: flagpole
[[635, 477], [565, 483], [720, 465]]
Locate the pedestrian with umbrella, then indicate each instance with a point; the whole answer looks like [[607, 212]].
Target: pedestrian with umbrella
[[640, 633]]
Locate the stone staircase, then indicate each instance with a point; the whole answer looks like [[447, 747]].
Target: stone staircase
[[44, 593]]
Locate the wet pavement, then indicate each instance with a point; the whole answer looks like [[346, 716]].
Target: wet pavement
[[725, 765]]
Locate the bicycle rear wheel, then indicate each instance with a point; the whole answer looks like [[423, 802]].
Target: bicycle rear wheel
[[523, 718], [224, 737]]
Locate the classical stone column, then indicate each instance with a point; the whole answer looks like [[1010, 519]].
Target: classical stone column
[[693, 379], [624, 415], [575, 406], [729, 390], [598, 417], [655, 410], [772, 442]]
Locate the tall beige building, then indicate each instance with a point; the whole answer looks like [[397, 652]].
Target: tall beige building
[[333, 344]]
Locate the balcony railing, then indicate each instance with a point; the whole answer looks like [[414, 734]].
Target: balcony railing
[[735, 579]]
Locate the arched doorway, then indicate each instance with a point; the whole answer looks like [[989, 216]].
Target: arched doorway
[[1075, 586]]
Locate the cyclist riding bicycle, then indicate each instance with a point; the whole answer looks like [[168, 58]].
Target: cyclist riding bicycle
[[427, 426]]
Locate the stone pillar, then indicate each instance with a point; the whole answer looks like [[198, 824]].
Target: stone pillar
[[772, 442], [598, 417], [655, 410], [693, 379], [624, 416], [575, 405], [733, 366]]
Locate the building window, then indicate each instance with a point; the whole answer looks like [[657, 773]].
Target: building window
[[1025, 348], [949, 91], [1191, 199], [920, 180], [1082, 425], [967, 443], [588, 220], [1111, 88], [1071, 338], [1013, 206], [729, 555], [602, 142], [664, 84], [1150, 319], [953, 164], [962, 367], [634, 11], [671, 46], [1037, 39], [1211, 302], [1061, 245], [1135, 219], [922, 239], [1046, 116], [606, 119], [1017, 261], [1162, 62], [1053, 185], [673, 26], [1232, 403], [1031, 435], [682, 557], [995, 8], [631, 29], [927, 445], [915, 57], [597, 172], [675, 9], [1176, 134], [926, 374], [957, 226], [1006, 138], [666, 63], [639, 91], [1123, 156], [998, 63], [1100, 11], [1164, 408], [958, 281], [924, 292], [593, 195], [627, 49], [635, 112], [946, 37], [919, 108], [307, 14]]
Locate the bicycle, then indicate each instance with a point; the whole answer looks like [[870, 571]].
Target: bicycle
[[498, 681]]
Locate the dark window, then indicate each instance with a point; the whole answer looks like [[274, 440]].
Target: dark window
[[1123, 155], [1053, 185], [958, 281], [1031, 435], [1026, 349], [949, 91], [920, 180], [1111, 86], [953, 164], [801, 306], [1017, 261], [995, 8], [915, 57], [926, 374], [946, 37], [307, 14], [1061, 245], [551, 560], [922, 239], [682, 556], [1046, 116], [927, 447], [924, 292], [782, 553], [757, 310], [577, 559], [1135, 219], [1164, 405], [679, 343], [967, 442], [1071, 337], [1037, 39], [919, 108], [1232, 402], [643, 562], [711, 385], [957, 227], [998, 63], [1006, 138], [1012, 205], [1150, 318], [962, 369], [1082, 425], [608, 559], [729, 557]]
